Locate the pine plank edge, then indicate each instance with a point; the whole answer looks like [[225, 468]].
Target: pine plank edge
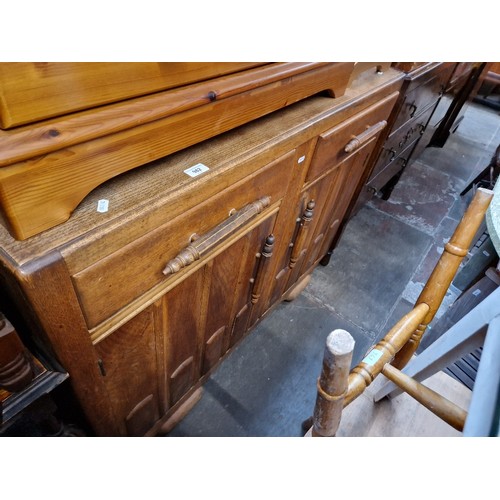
[[41, 193], [52, 135]]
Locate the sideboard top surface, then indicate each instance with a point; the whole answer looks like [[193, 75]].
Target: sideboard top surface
[[139, 194]]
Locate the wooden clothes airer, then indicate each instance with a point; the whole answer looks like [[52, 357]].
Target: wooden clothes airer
[[338, 385]]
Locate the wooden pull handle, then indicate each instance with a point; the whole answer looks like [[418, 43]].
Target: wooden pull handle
[[209, 240], [298, 245], [265, 256], [357, 141]]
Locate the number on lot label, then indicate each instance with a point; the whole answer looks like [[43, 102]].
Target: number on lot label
[[195, 170]]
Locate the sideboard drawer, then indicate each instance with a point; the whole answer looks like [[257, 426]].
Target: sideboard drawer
[[332, 149], [113, 282]]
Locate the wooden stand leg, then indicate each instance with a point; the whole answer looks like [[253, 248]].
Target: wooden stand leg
[[332, 384], [15, 369]]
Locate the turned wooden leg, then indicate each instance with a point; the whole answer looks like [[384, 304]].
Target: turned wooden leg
[[16, 371]]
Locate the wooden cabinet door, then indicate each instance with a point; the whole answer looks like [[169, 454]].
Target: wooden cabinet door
[[130, 368], [210, 311], [319, 215], [342, 185], [152, 361]]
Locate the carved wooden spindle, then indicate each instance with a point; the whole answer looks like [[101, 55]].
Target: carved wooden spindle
[[210, 240], [332, 384], [383, 352], [439, 281], [15, 368], [302, 233], [264, 257]]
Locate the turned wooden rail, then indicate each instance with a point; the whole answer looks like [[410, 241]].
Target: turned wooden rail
[[440, 280], [337, 387], [357, 141]]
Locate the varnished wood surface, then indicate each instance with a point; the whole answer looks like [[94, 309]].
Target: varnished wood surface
[[50, 300], [332, 143], [136, 192], [66, 176], [131, 356], [165, 243], [51, 135], [443, 273], [35, 91], [124, 312]]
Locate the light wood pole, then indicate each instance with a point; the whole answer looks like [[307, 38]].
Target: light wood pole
[[332, 384], [440, 280]]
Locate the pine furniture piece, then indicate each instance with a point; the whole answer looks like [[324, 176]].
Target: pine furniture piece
[[162, 270], [49, 164]]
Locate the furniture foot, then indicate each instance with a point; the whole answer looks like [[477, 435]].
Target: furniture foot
[[297, 289], [183, 410]]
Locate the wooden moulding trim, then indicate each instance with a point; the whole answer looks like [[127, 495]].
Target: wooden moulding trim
[[38, 139], [108, 326]]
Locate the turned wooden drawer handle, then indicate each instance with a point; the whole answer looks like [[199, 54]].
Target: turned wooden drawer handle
[[358, 140], [208, 241]]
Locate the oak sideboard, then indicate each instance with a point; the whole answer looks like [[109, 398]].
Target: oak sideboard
[[162, 269]]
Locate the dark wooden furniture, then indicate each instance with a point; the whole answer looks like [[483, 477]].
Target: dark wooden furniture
[[160, 271], [423, 86], [488, 92], [24, 378], [461, 90]]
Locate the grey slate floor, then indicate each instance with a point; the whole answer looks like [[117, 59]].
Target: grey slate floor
[[267, 384]]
